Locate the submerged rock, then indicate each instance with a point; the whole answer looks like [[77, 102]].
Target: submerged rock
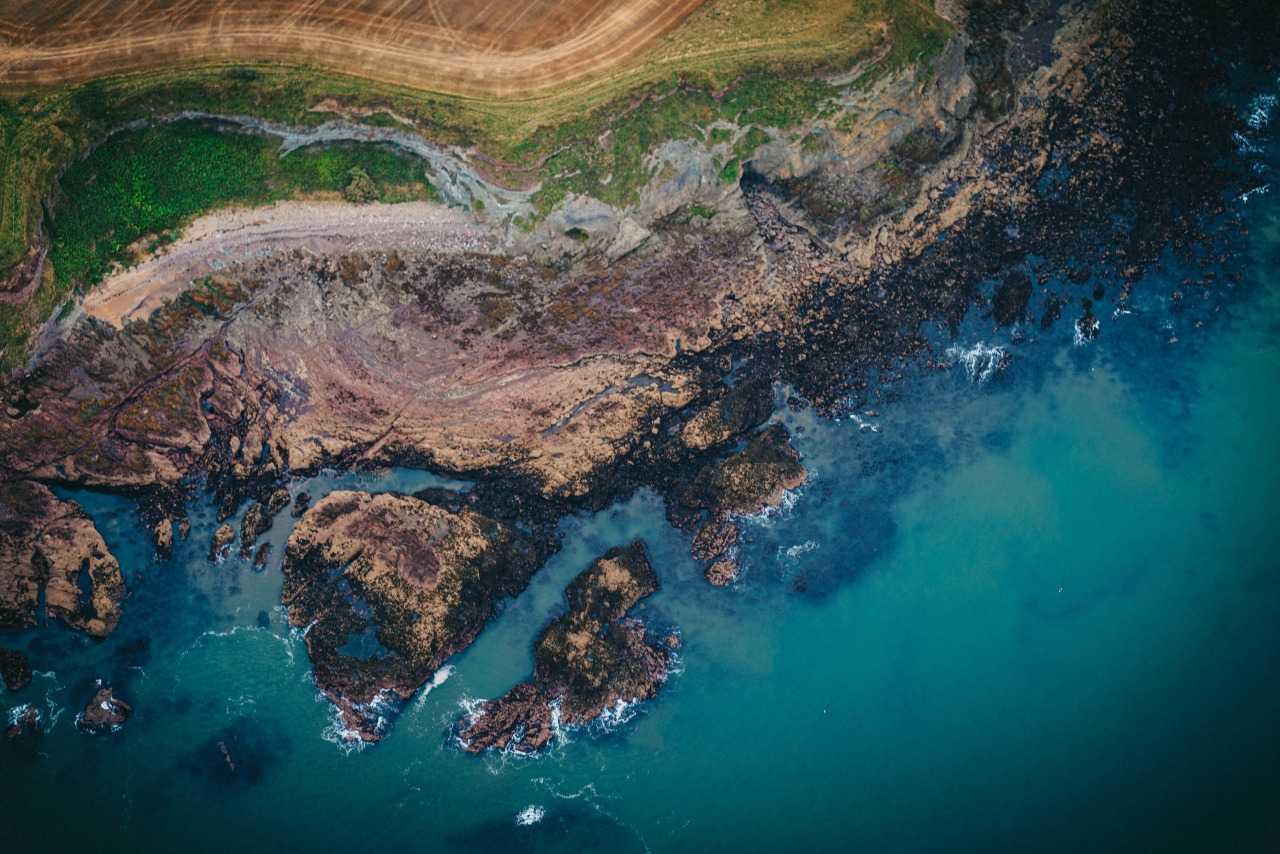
[[105, 713], [409, 577], [50, 547], [15, 669], [586, 662]]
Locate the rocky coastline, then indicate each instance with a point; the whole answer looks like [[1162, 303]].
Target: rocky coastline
[[561, 376]]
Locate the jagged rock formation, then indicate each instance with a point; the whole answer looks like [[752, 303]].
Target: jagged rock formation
[[104, 713], [742, 484], [406, 583], [53, 562], [586, 662]]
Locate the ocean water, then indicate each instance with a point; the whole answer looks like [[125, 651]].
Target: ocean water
[[1031, 609]]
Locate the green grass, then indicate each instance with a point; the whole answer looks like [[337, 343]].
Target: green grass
[[148, 182]]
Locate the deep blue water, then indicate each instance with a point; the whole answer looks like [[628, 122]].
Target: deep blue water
[[1036, 612]]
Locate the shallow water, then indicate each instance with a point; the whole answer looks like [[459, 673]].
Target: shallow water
[[1037, 612]]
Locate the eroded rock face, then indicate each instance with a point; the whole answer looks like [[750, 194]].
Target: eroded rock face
[[585, 663], [49, 546], [104, 713], [745, 483], [387, 587], [222, 538], [15, 669]]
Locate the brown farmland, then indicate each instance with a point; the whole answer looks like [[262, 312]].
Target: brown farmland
[[474, 47]]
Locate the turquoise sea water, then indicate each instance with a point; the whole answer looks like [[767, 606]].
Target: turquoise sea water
[[1040, 612]]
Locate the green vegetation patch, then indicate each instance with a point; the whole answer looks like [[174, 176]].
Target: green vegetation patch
[[150, 182]]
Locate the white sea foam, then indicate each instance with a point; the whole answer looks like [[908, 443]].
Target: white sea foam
[[1083, 336], [981, 362], [795, 551], [440, 677], [863, 424], [530, 816], [1259, 110], [16, 713], [1256, 191], [619, 714]]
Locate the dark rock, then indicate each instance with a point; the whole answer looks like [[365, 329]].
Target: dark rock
[[14, 669], [261, 557], [104, 713], [1009, 303]]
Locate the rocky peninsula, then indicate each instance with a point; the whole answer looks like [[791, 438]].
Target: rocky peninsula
[[589, 661]]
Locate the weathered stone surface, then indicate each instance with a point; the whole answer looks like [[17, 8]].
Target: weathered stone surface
[[722, 572], [104, 713], [162, 534], [411, 582], [50, 546], [745, 483], [585, 662], [222, 538], [15, 669]]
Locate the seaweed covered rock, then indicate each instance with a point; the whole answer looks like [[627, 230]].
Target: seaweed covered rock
[[50, 548], [744, 483], [389, 587], [14, 669], [586, 662], [105, 713]]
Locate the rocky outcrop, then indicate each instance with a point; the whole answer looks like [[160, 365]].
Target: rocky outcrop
[[50, 551], [387, 587], [14, 669], [105, 713], [24, 723], [162, 535], [257, 519], [222, 539], [745, 483], [589, 661]]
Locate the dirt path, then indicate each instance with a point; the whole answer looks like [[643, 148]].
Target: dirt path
[[218, 240], [461, 46]]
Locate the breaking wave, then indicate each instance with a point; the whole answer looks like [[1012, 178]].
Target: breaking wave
[[530, 816], [981, 362]]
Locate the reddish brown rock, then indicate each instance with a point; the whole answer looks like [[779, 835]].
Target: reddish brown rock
[[745, 483], [14, 669], [50, 546], [414, 581], [722, 572], [104, 713], [24, 723], [162, 534], [222, 538], [585, 663]]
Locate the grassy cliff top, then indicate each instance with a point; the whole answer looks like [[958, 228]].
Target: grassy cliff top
[[766, 63]]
